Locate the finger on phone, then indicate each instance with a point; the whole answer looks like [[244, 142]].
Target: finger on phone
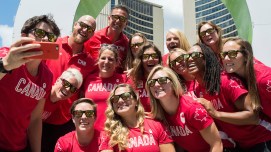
[[29, 54]]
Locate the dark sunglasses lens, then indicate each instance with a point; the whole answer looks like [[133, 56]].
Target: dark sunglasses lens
[[146, 56], [89, 113], [78, 113], [162, 80], [154, 56], [151, 83], [114, 99], [125, 95], [51, 37], [195, 55], [232, 54], [40, 33], [73, 89], [65, 83]]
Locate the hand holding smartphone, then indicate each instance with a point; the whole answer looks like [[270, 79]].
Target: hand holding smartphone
[[50, 50]]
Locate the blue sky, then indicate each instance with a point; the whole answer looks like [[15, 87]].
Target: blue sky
[[8, 10]]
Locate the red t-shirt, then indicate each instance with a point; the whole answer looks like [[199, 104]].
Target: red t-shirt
[[185, 125], [144, 97], [98, 89], [154, 135], [100, 37], [69, 143], [231, 89], [263, 81], [164, 59], [20, 93]]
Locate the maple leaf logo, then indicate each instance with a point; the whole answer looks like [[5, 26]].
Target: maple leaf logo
[[200, 114], [268, 87], [235, 82]]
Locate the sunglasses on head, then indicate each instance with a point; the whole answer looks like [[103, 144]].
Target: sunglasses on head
[[67, 84], [147, 56], [41, 34], [137, 44], [116, 17], [79, 113], [232, 54], [179, 59], [84, 25], [161, 80], [209, 31], [124, 96]]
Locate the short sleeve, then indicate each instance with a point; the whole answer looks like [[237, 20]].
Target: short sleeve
[[104, 142]]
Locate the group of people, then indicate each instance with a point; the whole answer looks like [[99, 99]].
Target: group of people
[[109, 93]]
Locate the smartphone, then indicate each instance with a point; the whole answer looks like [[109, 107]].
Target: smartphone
[[50, 50]]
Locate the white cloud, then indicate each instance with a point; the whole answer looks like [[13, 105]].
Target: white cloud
[[6, 35]]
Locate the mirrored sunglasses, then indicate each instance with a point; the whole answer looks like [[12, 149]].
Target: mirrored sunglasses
[[124, 96], [209, 31], [179, 59], [161, 80], [118, 17], [147, 56], [42, 33], [84, 25], [79, 113], [137, 44], [67, 84], [232, 54]]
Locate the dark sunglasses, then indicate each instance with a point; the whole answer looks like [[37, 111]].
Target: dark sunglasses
[[147, 56], [124, 96], [137, 44], [84, 25], [232, 54], [109, 46], [67, 84], [161, 80], [179, 59], [41, 34], [194, 55], [79, 113], [209, 31], [116, 17]]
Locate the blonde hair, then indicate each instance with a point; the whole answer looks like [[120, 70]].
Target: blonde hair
[[184, 44], [115, 127], [156, 109]]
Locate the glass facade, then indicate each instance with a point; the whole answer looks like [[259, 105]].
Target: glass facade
[[140, 19], [215, 11]]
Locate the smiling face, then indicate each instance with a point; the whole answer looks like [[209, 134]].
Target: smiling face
[[60, 91], [196, 64], [209, 35], [179, 66], [126, 104], [107, 63], [150, 59], [161, 89], [83, 123], [136, 42], [83, 29], [172, 41], [233, 65], [116, 22]]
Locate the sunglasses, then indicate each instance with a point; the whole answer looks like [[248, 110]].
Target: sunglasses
[[147, 56], [161, 80], [209, 31], [84, 25], [124, 96], [41, 34], [179, 59], [137, 44], [194, 55], [67, 84], [232, 54], [117, 17], [79, 113]]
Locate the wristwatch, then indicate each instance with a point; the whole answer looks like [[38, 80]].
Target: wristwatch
[[2, 69]]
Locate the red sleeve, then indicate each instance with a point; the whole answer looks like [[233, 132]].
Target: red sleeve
[[60, 145], [198, 117]]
